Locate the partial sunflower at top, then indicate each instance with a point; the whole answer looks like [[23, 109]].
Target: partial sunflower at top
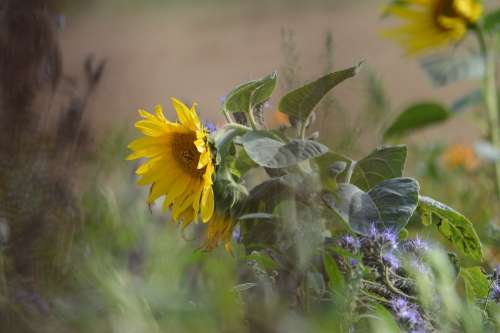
[[432, 23], [179, 164]]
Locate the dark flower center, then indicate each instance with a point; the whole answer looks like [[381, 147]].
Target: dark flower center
[[186, 153], [445, 8]]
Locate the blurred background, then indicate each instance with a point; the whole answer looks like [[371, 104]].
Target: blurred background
[[199, 50]]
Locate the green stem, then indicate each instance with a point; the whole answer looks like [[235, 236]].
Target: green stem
[[251, 119], [238, 126], [227, 116], [303, 127], [491, 97], [350, 171]]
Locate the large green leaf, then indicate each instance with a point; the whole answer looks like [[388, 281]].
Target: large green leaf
[[389, 205], [396, 200], [453, 226], [300, 102], [477, 285], [244, 97], [263, 199], [383, 163], [272, 153], [354, 207], [443, 70], [415, 117], [491, 21]]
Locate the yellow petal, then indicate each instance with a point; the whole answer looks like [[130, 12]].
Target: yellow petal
[[197, 197], [207, 204], [178, 187], [184, 114], [160, 188], [204, 159]]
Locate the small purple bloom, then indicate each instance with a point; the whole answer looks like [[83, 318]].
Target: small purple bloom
[[389, 236], [405, 311], [351, 242], [210, 127], [496, 272], [391, 260], [354, 262], [372, 231], [416, 245], [236, 233], [495, 292]]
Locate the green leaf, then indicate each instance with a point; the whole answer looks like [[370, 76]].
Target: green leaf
[[224, 139], [330, 169], [383, 320], [443, 70], [263, 260], [335, 279], [228, 192], [491, 21], [354, 207], [300, 102], [244, 97], [396, 200], [271, 153], [383, 163], [415, 117], [263, 198], [389, 204], [477, 285], [241, 163], [454, 227]]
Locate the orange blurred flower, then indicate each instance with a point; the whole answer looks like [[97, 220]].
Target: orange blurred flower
[[458, 155], [278, 118]]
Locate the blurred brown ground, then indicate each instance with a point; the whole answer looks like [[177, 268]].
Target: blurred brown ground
[[200, 53]]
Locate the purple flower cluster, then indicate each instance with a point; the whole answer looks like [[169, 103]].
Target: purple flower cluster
[[415, 245], [495, 292], [391, 260], [408, 314], [496, 272], [390, 237], [387, 236], [351, 242]]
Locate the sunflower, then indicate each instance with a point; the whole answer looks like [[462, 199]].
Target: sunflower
[[179, 164], [432, 23], [219, 229]]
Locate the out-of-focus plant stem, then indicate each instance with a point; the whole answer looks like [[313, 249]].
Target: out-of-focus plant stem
[[3, 280], [226, 115], [251, 119], [491, 97]]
